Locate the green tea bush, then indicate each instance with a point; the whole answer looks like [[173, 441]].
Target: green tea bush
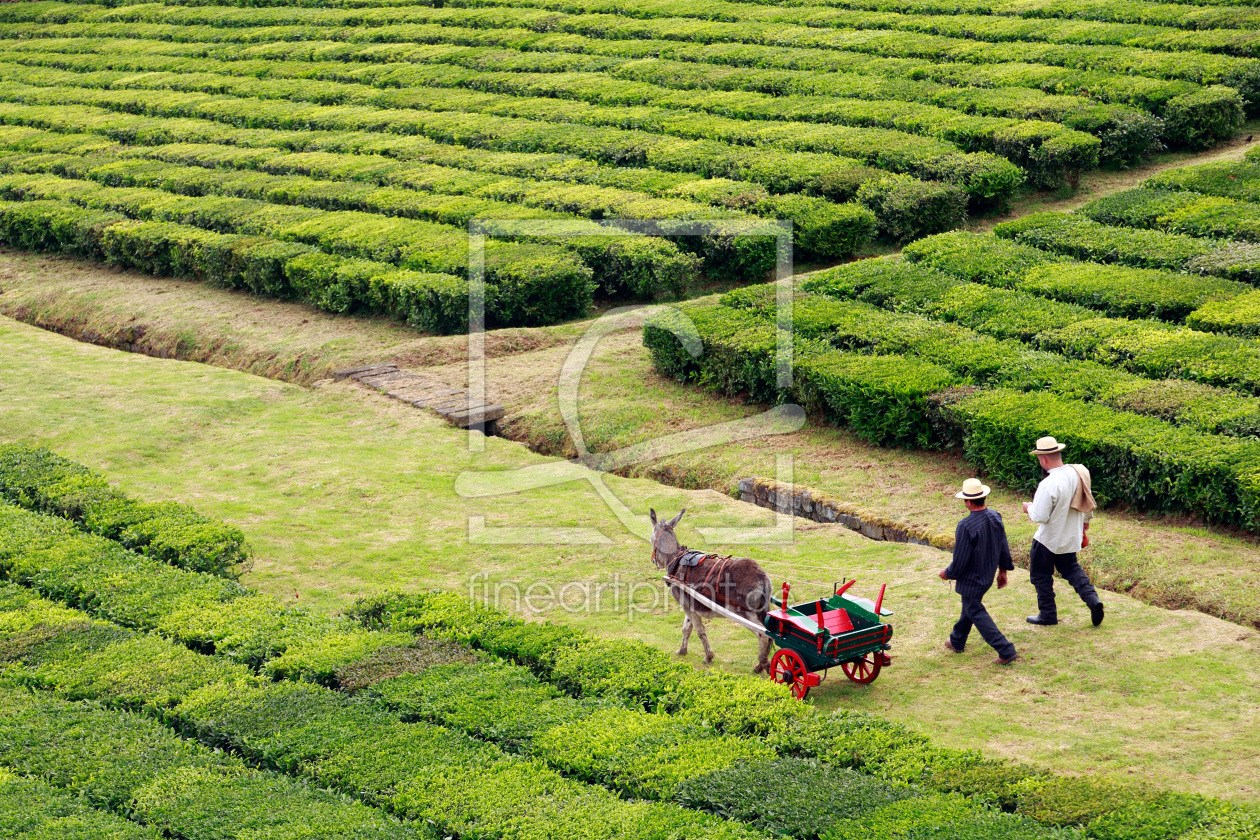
[[972, 356], [646, 755], [251, 628], [493, 700], [980, 825], [1085, 239], [1140, 208], [1238, 315], [1240, 824], [1129, 292], [1150, 464], [1156, 349], [1239, 261], [883, 399], [977, 259], [33, 810], [1075, 800], [385, 663], [907, 817], [1228, 179], [791, 797], [55, 642], [1200, 118], [40, 480], [1116, 290], [1004, 313], [143, 671], [1179, 211], [629, 673], [739, 350], [906, 208], [230, 802], [84, 571], [1163, 817], [283, 726], [101, 755], [320, 659]]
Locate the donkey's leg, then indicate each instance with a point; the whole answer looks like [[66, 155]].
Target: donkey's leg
[[763, 653], [704, 638], [686, 635]]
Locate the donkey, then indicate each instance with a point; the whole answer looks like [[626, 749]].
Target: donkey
[[738, 584]]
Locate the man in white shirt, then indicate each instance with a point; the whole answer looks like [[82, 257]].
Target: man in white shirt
[[1059, 534]]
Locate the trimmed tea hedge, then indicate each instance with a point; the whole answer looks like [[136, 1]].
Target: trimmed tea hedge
[[788, 161], [43, 481], [1115, 290], [966, 355], [1050, 152], [1179, 211], [360, 155], [33, 810], [133, 764], [1085, 239], [1163, 467]]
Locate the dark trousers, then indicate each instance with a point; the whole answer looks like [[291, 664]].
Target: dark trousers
[[1042, 564], [975, 615]]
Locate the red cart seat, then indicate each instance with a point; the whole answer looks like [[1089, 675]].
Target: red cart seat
[[837, 621]]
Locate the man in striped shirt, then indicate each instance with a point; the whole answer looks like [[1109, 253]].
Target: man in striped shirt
[[980, 550]]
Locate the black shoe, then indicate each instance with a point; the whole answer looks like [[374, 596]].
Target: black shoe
[[1096, 613], [1042, 620]]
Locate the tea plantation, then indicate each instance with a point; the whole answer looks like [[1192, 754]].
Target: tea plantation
[[404, 159], [336, 151], [147, 693]]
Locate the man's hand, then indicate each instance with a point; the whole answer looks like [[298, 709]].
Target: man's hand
[[941, 574], [1001, 578], [1027, 505], [1086, 528]]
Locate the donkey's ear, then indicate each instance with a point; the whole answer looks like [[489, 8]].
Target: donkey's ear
[[671, 523], [652, 514]]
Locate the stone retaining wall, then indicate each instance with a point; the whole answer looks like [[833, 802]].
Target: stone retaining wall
[[811, 504]]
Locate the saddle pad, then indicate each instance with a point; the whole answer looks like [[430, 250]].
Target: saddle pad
[[692, 558]]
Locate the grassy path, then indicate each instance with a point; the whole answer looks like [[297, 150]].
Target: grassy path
[[343, 493]]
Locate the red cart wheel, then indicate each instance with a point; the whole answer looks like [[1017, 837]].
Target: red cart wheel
[[788, 668], [864, 670]]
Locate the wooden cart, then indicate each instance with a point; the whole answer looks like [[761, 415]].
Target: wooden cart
[[814, 636]]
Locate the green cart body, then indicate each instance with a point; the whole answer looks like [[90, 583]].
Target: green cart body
[[816, 635]]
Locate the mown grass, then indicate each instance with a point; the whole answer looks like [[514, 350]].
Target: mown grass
[[343, 492]]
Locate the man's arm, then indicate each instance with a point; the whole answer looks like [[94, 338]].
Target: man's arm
[[1004, 555], [1043, 502], [962, 554]]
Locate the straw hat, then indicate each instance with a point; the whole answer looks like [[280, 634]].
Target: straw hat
[[972, 489], [1047, 446]]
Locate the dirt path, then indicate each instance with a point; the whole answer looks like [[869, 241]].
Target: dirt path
[[1101, 182]]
